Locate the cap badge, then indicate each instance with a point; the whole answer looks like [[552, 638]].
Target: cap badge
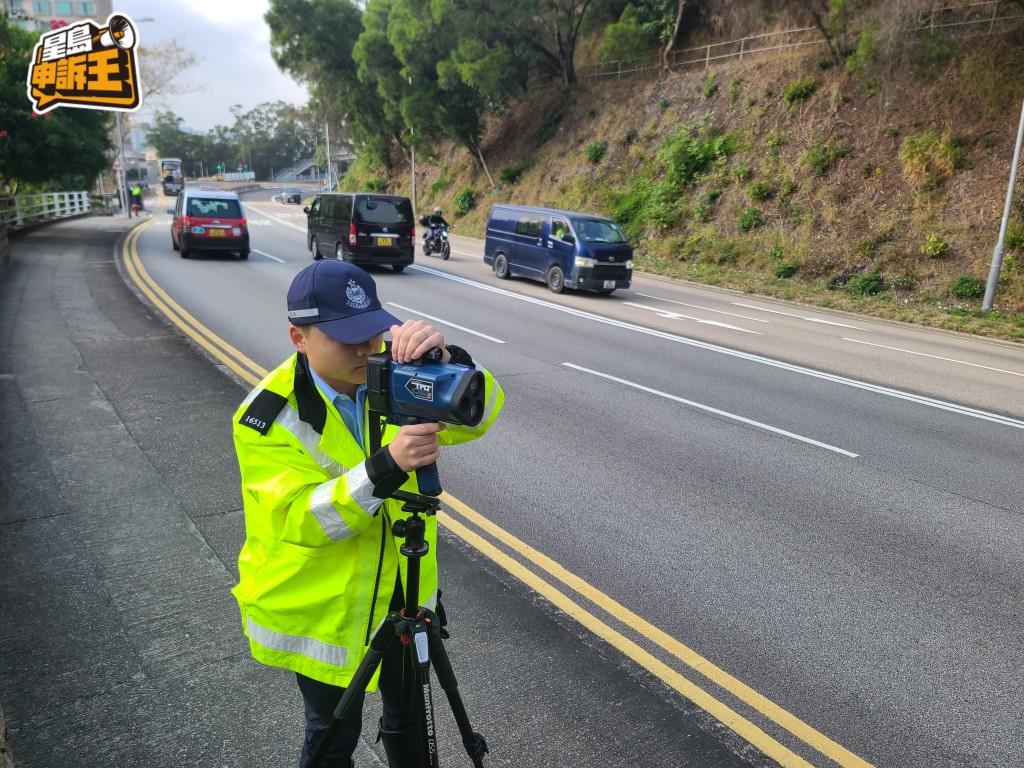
[[355, 296]]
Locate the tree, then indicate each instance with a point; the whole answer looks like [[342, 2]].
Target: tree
[[313, 40], [626, 40], [677, 32], [162, 65], [552, 31], [63, 149]]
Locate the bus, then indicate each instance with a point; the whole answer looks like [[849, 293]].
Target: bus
[[171, 175]]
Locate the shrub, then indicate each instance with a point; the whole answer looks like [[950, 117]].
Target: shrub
[[750, 219], [935, 247], [967, 287], [685, 156], [664, 104], [709, 88], [595, 150], [929, 158], [798, 90], [786, 269], [376, 185], [465, 201], [761, 190], [867, 284], [629, 136], [775, 252], [591, 113], [1014, 236], [820, 157]]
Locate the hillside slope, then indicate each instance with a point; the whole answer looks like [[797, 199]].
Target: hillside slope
[[879, 191]]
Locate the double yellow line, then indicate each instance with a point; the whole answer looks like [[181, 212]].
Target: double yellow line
[[252, 372]]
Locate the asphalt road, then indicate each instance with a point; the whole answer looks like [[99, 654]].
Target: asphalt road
[[811, 517]]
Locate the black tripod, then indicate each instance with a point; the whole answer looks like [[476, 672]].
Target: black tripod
[[420, 630]]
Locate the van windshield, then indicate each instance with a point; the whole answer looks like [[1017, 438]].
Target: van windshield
[[595, 231], [383, 210]]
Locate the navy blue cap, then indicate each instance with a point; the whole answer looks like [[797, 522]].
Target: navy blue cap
[[340, 299]]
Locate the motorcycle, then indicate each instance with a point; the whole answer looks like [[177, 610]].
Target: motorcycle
[[436, 241]]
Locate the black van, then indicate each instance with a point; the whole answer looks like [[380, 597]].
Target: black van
[[565, 249], [361, 228]]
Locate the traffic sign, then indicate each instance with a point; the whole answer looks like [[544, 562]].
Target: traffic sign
[[118, 165]]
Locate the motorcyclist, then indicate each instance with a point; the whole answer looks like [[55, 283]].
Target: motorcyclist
[[435, 221]]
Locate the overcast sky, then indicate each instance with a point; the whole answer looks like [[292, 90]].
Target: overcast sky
[[233, 44]]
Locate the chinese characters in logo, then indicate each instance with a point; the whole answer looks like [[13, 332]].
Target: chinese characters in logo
[[84, 65]]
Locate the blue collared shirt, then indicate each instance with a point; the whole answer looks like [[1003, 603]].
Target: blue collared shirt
[[351, 411]]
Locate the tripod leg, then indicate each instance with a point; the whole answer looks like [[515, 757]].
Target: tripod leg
[[357, 686], [475, 744]]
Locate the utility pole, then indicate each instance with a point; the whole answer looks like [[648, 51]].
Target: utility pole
[[412, 158], [122, 182], [327, 136], [997, 254]]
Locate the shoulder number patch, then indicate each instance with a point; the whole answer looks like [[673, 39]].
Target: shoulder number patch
[[262, 411]]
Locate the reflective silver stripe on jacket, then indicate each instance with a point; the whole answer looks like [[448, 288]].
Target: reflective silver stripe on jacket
[[309, 438], [334, 655], [361, 489], [322, 508]]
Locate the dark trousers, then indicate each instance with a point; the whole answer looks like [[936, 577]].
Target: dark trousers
[[320, 700]]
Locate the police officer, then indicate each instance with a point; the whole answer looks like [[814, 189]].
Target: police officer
[[320, 568]]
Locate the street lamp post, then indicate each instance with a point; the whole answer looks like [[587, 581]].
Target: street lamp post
[[997, 254], [122, 184], [412, 158]]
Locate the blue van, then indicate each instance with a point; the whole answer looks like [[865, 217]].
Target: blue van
[[564, 249]]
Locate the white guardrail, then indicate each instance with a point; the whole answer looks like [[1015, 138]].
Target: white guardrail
[[22, 210]]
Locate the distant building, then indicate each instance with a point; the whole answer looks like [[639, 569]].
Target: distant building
[[36, 15]]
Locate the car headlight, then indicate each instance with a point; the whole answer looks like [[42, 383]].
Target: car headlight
[[584, 262]]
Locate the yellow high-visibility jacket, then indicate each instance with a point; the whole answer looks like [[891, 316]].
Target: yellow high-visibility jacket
[[319, 565]]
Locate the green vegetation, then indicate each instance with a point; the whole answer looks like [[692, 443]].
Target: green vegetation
[[595, 151], [798, 90], [929, 158], [967, 287], [465, 201]]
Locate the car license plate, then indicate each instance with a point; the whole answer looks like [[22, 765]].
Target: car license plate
[[216, 232], [609, 283], [384, 242]]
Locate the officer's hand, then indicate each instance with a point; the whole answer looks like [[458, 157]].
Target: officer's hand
[[415, 338], [415, 445]]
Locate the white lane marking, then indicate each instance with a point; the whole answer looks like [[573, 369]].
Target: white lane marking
[[275, 218], [962, 410], [261, 253], [445, 322], [935, 357], [676, 316], [705, 309], [715, 411], [800, 317]]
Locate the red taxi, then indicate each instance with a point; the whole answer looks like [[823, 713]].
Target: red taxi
[[209, 220]]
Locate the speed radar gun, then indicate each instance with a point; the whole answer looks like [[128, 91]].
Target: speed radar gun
[[423, 390]]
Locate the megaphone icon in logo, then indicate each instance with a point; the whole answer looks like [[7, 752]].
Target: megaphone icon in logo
[[119, 33]]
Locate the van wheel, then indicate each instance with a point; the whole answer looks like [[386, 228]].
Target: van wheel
[[398, 267], [315, 248], [501, 267], [556, 280], [243, 255], [174, 245]]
